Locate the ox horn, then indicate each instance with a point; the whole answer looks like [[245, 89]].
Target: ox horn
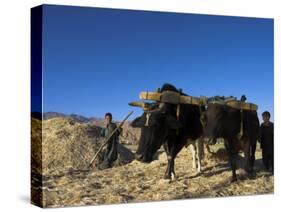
[[145, 105], [137, 104]]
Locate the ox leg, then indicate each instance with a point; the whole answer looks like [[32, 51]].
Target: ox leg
[[170, 171], [200, 153], [171, 152], [193, 152], [231, 150], [253, 152], [247, 154], [208, 149], [196, 150], [252, 158]]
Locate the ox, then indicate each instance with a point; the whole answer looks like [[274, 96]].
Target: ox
[[172, 123], [237, 123]]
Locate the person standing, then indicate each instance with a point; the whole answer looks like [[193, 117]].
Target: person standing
[[110, 154], [267, 141]]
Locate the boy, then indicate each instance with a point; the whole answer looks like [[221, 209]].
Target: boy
[[266, 141], [110, 154]]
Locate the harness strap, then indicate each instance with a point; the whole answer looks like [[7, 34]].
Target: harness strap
[[147, 119], [178, 116], [202, 103], [241, 125], [178, 111]]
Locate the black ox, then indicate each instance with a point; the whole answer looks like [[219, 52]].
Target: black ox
[[163, 125], [224, 121]]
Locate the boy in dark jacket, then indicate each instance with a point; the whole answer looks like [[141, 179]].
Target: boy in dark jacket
[[266, 141], [110, 154]]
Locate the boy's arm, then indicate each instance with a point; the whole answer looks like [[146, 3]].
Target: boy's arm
[[118, 132], [102, 133]]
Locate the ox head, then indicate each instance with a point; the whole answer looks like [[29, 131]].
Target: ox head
[[214, 122], [219, 119], [156, 125]]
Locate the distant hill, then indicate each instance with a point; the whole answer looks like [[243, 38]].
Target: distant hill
[[129, 134], [76, 117]]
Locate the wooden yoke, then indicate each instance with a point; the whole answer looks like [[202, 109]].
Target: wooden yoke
[[176, 98], [241, 106], [172, 98]]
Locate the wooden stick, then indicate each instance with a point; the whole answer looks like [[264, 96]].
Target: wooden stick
[[108, 137]]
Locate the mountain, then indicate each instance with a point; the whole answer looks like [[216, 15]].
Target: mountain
[[79, 118], [76, 117], [49, 115], [129, 134]]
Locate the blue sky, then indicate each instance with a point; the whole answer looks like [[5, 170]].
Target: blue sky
[[97, 60]]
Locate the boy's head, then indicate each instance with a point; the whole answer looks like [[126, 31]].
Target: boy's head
[[108, 118], [265, 116]]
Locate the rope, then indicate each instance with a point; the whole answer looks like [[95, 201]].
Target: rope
[[241, 125]]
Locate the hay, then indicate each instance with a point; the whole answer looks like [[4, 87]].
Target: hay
[[67, 144], [139, 182]]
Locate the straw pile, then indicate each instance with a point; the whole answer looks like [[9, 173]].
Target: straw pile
[[67, 144], [138, 182]]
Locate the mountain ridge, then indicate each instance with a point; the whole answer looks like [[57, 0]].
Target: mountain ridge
[[129, 134]]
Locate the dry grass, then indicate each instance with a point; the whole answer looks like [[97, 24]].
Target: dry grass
[[67, 144], [68, 147], [138, 182]]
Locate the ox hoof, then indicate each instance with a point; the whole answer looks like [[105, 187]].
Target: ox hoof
[[249, 169], [252, 175], [167, 176], [173, 177], [234, 180]]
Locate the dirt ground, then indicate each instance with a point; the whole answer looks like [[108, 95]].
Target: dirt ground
[[139, 182]]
